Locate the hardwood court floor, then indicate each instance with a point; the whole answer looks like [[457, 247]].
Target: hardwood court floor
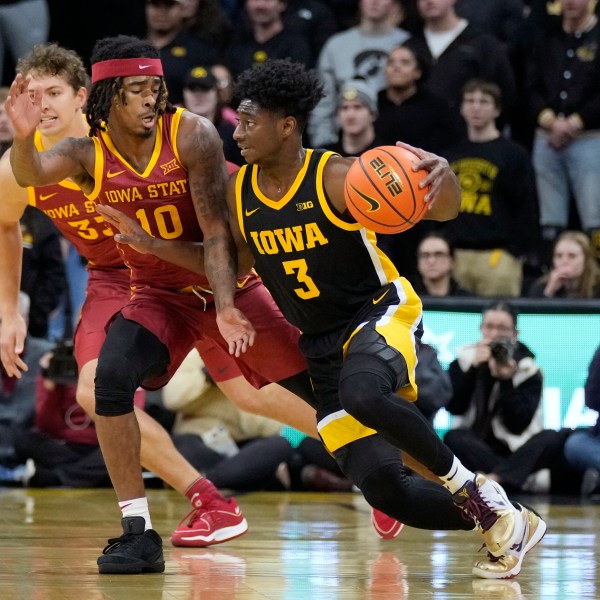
[[300, 547]]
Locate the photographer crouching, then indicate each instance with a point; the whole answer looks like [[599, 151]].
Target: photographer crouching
[[497, 393]]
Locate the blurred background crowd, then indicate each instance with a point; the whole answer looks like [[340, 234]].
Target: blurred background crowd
[[507, 90]]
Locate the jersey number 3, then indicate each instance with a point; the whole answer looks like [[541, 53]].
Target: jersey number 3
[[299, 268]]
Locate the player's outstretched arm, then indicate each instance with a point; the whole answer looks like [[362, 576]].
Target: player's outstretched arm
[[201, 151], [13, 329], [444, 195]]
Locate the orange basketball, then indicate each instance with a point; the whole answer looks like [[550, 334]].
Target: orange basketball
[[382, 191]]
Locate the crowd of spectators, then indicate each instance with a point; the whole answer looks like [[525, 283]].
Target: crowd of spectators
[[507, 90]]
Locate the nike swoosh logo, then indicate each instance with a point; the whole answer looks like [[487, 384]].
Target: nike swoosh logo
[[453, 475], [378, 300], [249, 213], [143, 66], [110, 175], [370, 201], [243, 282], [45, 197]]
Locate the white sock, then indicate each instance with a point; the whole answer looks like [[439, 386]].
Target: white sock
[[457, 476], [137, 507]]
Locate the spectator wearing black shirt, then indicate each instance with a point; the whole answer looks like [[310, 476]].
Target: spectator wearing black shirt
[[407, 110], [496, 227]]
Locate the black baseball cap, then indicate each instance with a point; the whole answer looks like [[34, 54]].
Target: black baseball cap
[[200, 78]]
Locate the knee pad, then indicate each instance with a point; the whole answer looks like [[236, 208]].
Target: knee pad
[[115, 386], [129, 355], [371, 370]]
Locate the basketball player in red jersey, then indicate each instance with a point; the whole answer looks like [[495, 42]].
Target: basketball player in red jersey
[[62, 97], [360, 320]]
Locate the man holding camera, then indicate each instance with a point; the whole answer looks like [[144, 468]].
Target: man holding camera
[[497, 392]]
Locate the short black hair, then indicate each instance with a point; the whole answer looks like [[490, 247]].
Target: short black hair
[[281, 86], [100, 100]]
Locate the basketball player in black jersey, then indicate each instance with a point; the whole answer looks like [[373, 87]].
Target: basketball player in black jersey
[[361, 321]]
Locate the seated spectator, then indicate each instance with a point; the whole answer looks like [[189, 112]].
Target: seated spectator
[[267, 37], [62, 448], [359, 52], [435, 389], [200, 96], [234, 449], [179, 47], [17, 401], [497, 392], [495, 230], [407, 110], [574, 273], [582, 448], [435, 262], [208, 20], [225, 92], [357, 110], [459, 51]]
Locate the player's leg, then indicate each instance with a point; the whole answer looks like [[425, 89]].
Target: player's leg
[[272, 401], [158, 454]]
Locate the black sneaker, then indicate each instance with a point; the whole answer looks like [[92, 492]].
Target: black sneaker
[[136, 551]]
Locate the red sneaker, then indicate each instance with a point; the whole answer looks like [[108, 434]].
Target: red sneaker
[[219, 520], [386, 527]]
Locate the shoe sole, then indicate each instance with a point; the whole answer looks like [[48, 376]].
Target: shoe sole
[[533, 541], [132, 569], [218, 537]]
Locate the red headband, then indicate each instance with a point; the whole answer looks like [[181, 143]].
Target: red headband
[[125, 67]]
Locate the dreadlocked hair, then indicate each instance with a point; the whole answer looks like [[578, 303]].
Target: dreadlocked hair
[[103, 92], [281, 86]]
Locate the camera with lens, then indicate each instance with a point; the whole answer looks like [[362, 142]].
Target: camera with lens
[[502, 349], [62, 367]]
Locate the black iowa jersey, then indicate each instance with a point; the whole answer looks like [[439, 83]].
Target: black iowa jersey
[[319, 268]]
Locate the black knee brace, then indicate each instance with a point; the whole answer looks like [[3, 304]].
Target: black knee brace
[[372, 370], [130, 354]]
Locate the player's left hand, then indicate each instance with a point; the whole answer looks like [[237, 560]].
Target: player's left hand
[[236, 329], [130, 231], [437, 167]]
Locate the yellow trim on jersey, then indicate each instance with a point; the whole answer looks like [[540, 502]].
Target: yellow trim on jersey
[[387, 265], [340, 428], [155, 153], [98, 169], [279, 204], [331, 216], [239, 180], [174, 129], [31, 196], [398, 326]]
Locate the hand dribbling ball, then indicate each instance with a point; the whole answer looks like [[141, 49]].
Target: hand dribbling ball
[[382, 191]]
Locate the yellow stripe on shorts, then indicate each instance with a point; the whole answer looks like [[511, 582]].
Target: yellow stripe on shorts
[[340, 428]]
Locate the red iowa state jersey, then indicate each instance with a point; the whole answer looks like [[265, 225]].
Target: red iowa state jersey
[[158, 199], [76, 218]]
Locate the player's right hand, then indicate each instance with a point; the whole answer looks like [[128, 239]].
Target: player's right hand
[[23, 107], [12, 343], [130, 231]]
